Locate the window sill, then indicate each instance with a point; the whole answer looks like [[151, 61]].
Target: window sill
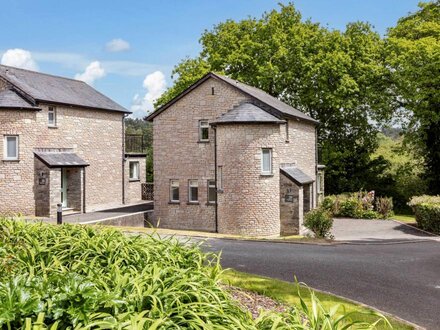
[[201, 141], [52, 126], [11, 160], [211, 203], [192, 203], [266, 174], [134, 180], [174, 202]]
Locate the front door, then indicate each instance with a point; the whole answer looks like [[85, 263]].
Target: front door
[[64, 187]]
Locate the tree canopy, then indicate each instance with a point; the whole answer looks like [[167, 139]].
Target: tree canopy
[[413, 48]]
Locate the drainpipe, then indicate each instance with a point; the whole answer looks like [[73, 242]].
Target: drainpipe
[[84, 189], [123, 158], [215, 176]]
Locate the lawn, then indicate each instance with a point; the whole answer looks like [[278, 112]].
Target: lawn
[[290, 293], [81, 277], [404, 218]]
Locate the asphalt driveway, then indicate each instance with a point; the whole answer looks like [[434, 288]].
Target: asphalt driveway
[[371, 231], [401, 279]]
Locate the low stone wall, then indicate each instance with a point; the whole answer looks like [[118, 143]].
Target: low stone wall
[[139, 219]]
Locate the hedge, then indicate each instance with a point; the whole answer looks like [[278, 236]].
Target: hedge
[[427, 211]]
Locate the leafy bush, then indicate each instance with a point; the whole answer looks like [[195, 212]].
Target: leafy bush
[[79, 277], [320, 222], [384, 206], [358, 205], [427, 211]]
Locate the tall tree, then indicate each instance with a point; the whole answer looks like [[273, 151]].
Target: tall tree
[[414, 56]]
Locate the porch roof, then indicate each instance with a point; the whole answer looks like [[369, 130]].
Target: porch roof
[[295, 174], [61, 159]]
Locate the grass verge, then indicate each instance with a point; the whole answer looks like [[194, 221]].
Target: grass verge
[[288, 293], [404, 218]]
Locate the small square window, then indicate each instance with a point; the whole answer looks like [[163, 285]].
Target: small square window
[[134, 171], [204, 131], [266, 161], [52, 116], [193, 191], [212, 192], [10, 147], [174, 191]]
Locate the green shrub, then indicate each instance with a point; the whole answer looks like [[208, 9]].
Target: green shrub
[[320, 222], [384, 206], [80, 277], [358, 205], [427, 211]]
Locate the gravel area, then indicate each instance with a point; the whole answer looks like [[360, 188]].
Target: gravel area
[[254, 302]]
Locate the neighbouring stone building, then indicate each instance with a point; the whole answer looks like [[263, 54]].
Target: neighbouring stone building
[[230, 158], [63, 142]]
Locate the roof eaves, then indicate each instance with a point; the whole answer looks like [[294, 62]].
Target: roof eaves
[[20, 91], [81, 106]]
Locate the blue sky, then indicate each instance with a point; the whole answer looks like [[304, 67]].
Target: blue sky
[[67, 37]]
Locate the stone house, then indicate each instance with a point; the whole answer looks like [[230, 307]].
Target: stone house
[[63, 142], [230, 158]]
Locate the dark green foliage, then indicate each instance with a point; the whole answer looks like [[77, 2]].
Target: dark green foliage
[[320, 222], [413, 53], [427, 211]]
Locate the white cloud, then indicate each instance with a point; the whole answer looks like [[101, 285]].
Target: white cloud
[[19, 58], [93, 71], [117, 45], [155, 84]]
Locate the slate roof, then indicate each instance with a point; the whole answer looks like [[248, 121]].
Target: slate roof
[[60, 159], [54, 89], [12, 100], [295, 174], [274, 105], [247, 113]]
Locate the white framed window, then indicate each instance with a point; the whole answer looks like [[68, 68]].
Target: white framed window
[[203, 131], [266, 161], [52, 116], [174, 191], [212, 192], [10, 147], [134, 171], [193, 191]]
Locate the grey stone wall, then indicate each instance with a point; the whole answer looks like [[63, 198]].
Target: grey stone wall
[[249, 204], [289, 206], [178, 154], [75, 188]]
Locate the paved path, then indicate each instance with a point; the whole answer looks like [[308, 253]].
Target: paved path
[[401, 279], [376, 231]]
